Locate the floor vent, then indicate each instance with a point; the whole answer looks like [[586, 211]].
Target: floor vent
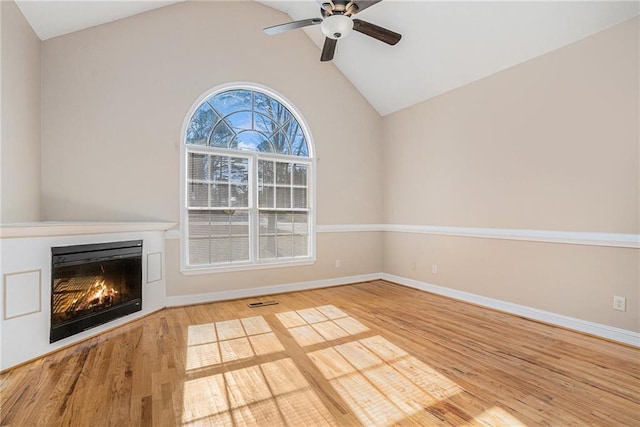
[[262, 303]]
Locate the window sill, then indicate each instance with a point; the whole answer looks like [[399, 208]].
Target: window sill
[[191, 271]]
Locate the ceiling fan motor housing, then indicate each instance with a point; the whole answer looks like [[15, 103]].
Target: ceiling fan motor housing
[[336, 26]]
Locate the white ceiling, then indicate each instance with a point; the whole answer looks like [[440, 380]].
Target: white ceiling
[[445, 44]]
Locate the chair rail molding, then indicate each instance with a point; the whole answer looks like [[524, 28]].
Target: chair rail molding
[[621, 240]]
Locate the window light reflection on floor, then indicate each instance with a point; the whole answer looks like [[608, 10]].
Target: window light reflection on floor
[[269, 394], [211, 344], [319, 324], [381, 383]]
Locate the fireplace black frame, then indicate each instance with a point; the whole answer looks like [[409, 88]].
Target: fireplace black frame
[[91, 253]]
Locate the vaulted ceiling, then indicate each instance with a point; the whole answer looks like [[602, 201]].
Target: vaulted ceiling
[[445, 44]]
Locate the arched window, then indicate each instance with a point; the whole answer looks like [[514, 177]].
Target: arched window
[[248, 182]]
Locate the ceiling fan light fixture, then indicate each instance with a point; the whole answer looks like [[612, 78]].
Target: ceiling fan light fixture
[[337, 26]]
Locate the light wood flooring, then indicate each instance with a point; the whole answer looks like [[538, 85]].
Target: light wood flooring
[[366, 354]]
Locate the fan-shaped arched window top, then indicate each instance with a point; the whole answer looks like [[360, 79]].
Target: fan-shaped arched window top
[[246, 120]]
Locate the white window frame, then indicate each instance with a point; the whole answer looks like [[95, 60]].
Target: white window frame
[[254, 263]]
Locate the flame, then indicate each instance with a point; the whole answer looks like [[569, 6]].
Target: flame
[[99, 294]]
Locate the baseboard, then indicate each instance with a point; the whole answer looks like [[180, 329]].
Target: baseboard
[[592, 328], [179, 300]]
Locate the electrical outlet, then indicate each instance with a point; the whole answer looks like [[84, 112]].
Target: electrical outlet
[[619, 303], [413, 266], [338, 263], [434, 269]]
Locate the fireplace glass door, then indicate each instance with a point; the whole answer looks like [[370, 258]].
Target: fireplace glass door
[[93, 284]]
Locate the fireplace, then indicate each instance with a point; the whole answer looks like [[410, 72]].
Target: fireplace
[[94, 284]]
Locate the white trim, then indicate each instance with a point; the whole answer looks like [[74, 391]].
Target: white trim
[[52, 228], [550, 236], [604, 331], [173, 301], [350, 228], [246, 266], [619, 240], [173, 234], [579, 325]]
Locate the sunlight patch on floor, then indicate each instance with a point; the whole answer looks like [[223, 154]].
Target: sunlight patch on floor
[[273, 394], [319, 324], [381, 383], [211, 344]]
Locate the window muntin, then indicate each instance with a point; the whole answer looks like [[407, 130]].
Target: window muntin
[[248, 176]]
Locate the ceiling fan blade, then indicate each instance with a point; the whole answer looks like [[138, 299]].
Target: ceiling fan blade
[[328, 50], [372, 30], [363, 4], [277, 29]]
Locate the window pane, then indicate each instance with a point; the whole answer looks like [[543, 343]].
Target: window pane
[[198, 167], [299, 174], [291, 129], [240, 121], [239, 223], [267, 223], [265, 172], [198, 195], [199, 251], [199, 224], [285, 222], [230, 101], [267, 240], [283, 173], [281, 143], [201, 125], [267, 247], [240, 236], [239, 170], [240, 196], [265, 197], [220, 250], [301, 237], [285, 246], [219, 168], [199, 237], [299, 197], [219, 195], [265, 125], [283, 197], [299, 145], [271, 108], [300, 245], [252, 141], [301, 223], [220, 224], [221, 136], [240, 249]]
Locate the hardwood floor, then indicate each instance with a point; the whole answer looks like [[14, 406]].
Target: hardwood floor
[[366, 354]]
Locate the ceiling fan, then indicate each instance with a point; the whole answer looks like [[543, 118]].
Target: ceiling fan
[[337, 22]]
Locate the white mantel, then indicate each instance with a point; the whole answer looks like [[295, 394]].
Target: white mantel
[[58, 228], [25, 267]]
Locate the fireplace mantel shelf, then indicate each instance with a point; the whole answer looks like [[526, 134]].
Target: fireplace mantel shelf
[[54, 228]]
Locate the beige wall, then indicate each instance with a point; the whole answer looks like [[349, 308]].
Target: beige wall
[[551, 144], [115, 98], [20, 150]]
